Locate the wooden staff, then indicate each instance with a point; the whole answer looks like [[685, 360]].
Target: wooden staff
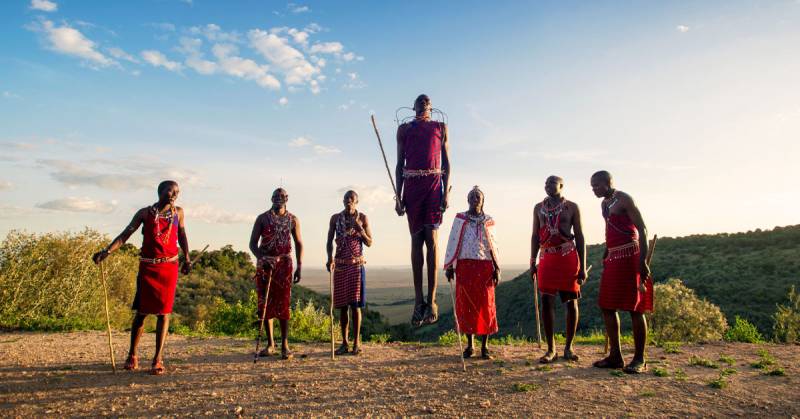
[[536, 309], [330, 277], [108, 318], [455, 318], [385, 162], [263, 316]]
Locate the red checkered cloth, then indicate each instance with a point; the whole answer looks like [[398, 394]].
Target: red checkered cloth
[[619, 284], [349, 274], [422, 195]]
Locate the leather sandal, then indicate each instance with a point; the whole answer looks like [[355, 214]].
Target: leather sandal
[[157, 368], [132, 363]]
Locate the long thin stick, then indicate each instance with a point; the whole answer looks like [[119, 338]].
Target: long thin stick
[[536, 309], [263, 316], [108, 318], [458, 330], [386, 162], [330, 276]]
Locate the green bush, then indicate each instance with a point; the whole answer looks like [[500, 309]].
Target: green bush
[[450, 338], [787, 319], [380, 338], [681, 316], [743, 331], [49, 282]]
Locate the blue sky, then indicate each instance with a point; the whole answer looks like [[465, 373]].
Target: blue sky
[[692, 105]]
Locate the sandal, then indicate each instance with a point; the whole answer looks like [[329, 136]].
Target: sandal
[[286, 354], [157, 368], [356, 350], [266, 352], [570, 356], [548, 358], [132, 364], [468, 352], [635, 367], [418, 315], [431, 314], [607, 362], [485, 354], [343, 349]]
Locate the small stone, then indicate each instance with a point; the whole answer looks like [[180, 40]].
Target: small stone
[[486, 403]]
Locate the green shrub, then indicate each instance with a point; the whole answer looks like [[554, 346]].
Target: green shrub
[[743, 331], [765, 360], [681, 316], [719, 382], [449, 337], [524, 387], [680, 374], [671, 347], [702, 362], [787, 319], [660, 372], [777, 372], [727, 359], [380, 338]]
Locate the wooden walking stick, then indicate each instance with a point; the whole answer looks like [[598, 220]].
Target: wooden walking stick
[[263, 316], [536, 309], [330, 277], [458, 330], [386, 162], [108, 317]]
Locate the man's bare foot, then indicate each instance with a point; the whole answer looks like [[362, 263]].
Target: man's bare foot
[[356, 350], [343, 349], [485, 354], [637, 366], [418, 315], [286, 353], [569, 355], [609, 362], [267, 351], [431, 314], [548, 357], [468, 352], [132, 364], [157, 368]]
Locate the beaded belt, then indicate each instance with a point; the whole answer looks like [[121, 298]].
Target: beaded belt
[[624, 251], [272, 260], [563, 248], [159, 260], [351, 261], [410, 173]]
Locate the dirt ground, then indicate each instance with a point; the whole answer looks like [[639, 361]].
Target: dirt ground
[[69, 374]]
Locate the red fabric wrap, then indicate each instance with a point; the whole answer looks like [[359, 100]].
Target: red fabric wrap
[[156, 282], [347, 278], [475, 306], [276, 242], [619, 283], [422, 195], [557, 271]]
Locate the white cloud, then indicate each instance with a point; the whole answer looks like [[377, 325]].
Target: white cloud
[[17, 146], [119, 175], [288, 60], [296, 8], [164, 26], [321, 149], [118, 53], [243, 67], [5, 185], [283, 101], [326, 48], [370, 194], [682, 28], [299, 142], [73, 204], [214, 33], [211, 215], [70, 41], [44, 5], [10, 95], [157, 59]]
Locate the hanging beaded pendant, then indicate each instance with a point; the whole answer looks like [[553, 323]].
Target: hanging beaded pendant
[[163, 236]]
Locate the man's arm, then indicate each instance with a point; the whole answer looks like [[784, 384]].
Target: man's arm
[[123, 237], [298, 248], [535, 239], [183, 242], [445, 166], [636, 218], [366, 232], [580, 243], [255, 236], [329, 243], [398, 170]]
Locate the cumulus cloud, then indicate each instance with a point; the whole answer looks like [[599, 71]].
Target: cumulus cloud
[[119, 54], [119, 175], [73, 204], [44, 5], [157, 59], [245, 68], [283, 101], [682, 28], [70, 41], [10, 95], [214, 32], [299, 142], [296, 8], [286, 59], [321, 149], [211, 215], [326, 48]]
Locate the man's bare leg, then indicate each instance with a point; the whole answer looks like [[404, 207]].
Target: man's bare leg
[[345, 327], [162, 327], [614, 358], [270, 337], [639, 325], [572, 327], [432, 260], [470, 346], [485, 348], [548, 317], [137, 326], [355, 312], [417, 241], [285, 353]]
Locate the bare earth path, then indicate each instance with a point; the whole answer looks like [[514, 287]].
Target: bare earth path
[[69, 374]]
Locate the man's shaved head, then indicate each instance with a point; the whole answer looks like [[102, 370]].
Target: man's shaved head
[[556, 179], [422, 103], [553, 185], [603, 176], [602, 184]]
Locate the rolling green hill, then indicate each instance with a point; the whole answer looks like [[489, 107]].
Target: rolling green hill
[[745, 274]]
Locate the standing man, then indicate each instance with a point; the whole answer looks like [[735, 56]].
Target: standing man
[[422, 177], [562, 262], [352, 232], [163, 231], [624, 271], [271, 243]]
